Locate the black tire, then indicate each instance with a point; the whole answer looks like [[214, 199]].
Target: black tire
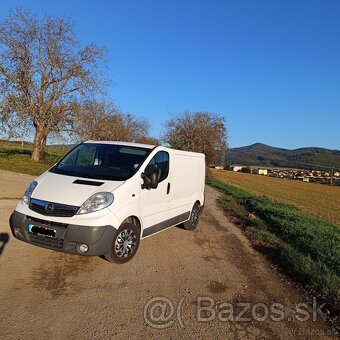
[[191, 224], [125, 244]]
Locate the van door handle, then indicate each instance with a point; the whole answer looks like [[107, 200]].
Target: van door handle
[[168, 189]]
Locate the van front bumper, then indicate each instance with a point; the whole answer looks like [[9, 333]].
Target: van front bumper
[[68, 237]]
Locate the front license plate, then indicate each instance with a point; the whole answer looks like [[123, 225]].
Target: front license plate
[[41, 231]]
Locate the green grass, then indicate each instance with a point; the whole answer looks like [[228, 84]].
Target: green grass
[[14, 157], [306, 247]]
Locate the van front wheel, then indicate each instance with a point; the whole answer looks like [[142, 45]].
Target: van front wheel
[[125, 244], [191, 224]]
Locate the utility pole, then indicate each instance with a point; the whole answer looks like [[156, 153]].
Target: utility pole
[[332, 171]]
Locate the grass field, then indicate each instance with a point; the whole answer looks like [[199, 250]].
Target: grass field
[[315, 199], [17, 158], [307, 248]]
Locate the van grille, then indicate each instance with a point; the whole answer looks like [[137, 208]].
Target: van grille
[[47, 223], [46, 241], [52, 209]]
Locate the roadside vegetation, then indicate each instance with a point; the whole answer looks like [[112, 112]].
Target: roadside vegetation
[[307, 248], [17, 158], [314, 199]]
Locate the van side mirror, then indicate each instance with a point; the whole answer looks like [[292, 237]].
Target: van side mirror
[[150, 180]]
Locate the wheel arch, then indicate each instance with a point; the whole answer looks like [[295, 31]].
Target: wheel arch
[[134, 220]]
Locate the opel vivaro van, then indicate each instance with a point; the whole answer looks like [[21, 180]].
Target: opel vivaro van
[[102, 198]]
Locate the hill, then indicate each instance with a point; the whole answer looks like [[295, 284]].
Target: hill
[[303, 158]]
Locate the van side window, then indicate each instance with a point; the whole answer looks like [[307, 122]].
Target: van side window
[[161, 162]]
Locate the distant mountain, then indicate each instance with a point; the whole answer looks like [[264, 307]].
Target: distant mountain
[[304, 158]]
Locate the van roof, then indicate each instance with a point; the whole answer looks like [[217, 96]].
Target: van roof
[[147, 146]]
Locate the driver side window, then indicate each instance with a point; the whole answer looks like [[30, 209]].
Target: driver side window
[[160, 162]]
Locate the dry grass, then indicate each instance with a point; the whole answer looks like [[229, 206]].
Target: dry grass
[[315, 199]]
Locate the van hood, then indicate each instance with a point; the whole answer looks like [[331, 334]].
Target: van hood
[[59, 188]]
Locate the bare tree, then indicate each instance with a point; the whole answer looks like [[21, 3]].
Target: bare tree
[[44, 74], [148, 140], [199, 132], [103, 121], [11, 127]]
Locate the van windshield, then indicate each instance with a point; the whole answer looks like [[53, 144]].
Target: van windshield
[[102, 161]]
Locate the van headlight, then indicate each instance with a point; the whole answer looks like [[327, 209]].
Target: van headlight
[[96, 202], [29, 191]]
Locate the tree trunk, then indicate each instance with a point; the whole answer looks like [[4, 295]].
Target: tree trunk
[[37, 144], [43, 143]]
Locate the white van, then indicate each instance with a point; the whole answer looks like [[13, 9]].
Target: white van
[[103, 197]]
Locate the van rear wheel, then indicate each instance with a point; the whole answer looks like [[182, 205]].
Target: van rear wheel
[[191, 224], [124, 244]]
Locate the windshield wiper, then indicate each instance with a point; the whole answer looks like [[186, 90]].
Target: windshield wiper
[[73, 173], [82, 174]]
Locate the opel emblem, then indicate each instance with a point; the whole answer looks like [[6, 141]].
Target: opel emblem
[[49, 207]]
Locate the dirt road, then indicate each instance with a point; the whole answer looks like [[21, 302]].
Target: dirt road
[[45, 294]]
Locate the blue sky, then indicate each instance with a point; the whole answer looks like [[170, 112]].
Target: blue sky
[[271, 68]]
